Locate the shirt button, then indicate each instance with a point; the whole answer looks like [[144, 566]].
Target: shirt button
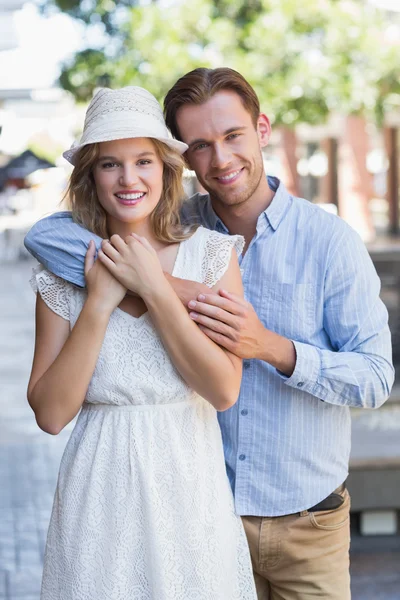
[[244, 412], [246, 364], [242, 457], [300, 384]]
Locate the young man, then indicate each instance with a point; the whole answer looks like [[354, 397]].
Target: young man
[[313, 334]]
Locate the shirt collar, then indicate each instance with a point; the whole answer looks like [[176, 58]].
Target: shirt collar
[[280, 204], [274, 213]]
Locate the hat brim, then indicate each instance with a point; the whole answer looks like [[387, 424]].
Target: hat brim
[[70, 155]]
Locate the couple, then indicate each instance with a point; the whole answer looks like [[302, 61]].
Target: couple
[[153, 348]]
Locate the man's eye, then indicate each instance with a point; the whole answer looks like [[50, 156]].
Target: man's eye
[[200, 146], [232, 136]]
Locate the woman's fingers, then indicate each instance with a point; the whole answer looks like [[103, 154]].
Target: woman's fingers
[[144, 241], [109, 250], [118, 242], [107, 262], [89, 257]]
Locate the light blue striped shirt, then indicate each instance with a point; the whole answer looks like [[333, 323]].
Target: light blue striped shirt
[[310, 279]]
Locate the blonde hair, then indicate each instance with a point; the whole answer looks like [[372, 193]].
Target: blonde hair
[[82, 200]]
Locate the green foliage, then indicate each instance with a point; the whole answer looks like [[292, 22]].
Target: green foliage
[[304, 59]]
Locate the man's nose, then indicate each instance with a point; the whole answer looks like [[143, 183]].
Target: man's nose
[[221, 157]]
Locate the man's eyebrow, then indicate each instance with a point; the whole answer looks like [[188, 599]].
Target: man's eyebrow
[[227, 132], [140, 155]]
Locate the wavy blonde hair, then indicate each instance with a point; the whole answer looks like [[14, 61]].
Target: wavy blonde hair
[[82, 200]]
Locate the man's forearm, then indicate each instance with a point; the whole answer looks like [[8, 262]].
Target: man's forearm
[[277, 351]]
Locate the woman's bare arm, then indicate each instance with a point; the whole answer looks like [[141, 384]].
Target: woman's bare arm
[[63, 364], [212, 371], [64, 361]]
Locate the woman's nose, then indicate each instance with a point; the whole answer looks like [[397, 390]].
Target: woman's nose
[[128, 177]]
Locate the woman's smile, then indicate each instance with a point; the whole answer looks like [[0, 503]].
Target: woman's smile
[[130, 198]]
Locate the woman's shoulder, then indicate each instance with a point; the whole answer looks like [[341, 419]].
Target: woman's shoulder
[[54, 291], [212, 251], [214, 240]]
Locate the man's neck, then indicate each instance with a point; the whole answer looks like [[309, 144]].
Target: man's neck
[[242, 218]]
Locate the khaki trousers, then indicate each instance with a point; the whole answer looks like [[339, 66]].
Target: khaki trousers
[[302, 556]]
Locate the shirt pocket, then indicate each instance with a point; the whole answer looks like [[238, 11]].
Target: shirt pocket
[[289, 309]]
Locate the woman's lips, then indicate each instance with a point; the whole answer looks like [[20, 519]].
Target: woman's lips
[[130, 199]]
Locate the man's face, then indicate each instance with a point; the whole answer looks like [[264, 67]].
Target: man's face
[[224, 147]]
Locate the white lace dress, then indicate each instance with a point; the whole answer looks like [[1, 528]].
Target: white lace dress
[[143, 509]]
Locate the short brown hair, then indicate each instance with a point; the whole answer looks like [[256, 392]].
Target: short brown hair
[[200, 85], [86, 209]]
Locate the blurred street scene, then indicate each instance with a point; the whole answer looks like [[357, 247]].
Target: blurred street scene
[[328, 76]]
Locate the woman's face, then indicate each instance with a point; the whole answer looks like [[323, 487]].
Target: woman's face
[[129, 179]]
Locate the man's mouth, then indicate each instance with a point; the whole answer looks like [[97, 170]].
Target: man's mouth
[[229, 178]]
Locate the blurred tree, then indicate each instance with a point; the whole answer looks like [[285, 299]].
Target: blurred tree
[[305, 59]]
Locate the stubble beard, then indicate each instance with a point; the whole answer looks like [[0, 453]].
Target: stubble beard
[[230, 198]]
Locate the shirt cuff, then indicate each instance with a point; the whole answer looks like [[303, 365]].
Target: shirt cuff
[[307, 369]]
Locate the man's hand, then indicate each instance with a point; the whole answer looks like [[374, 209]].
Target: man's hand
[[232, 322], [185, 289]]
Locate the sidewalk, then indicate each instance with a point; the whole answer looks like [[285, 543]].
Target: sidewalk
[[29, 462], [29, 458]]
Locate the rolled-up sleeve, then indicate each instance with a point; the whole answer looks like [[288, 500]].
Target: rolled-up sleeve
[[357, 370], [60, 245]]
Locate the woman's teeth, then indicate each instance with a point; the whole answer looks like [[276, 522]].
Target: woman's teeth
[[130, 196]]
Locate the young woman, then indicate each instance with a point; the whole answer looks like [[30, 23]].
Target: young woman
[[143, 509]]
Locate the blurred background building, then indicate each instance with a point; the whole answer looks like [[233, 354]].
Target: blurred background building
[[328, 76]]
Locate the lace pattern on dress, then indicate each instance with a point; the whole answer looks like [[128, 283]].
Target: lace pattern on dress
[[55, 292], [217, 254]]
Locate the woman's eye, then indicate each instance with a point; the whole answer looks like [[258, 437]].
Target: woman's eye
[[145, 161], [108, 165]]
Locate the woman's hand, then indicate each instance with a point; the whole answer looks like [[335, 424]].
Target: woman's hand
[[104, 290], [134, 262]]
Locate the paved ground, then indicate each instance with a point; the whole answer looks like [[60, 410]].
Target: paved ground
[[29, 462]]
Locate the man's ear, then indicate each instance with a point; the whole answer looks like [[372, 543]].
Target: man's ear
[[263, 130]]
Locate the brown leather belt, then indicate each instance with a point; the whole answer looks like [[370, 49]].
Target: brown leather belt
[[332, 501]]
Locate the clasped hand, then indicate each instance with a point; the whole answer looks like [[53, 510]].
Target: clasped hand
[[131, 264]]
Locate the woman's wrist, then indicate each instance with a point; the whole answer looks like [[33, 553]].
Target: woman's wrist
[[99, 307], [152, 293]]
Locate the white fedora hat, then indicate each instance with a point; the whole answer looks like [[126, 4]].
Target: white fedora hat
[[130, 112]]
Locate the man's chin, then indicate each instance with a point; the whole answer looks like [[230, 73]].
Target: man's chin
[[232, 198]]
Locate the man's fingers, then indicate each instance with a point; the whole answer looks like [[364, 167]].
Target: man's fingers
[[226, 304], [233, 297], [214, 325], [89, 257], [214, 312], [218, 338]]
